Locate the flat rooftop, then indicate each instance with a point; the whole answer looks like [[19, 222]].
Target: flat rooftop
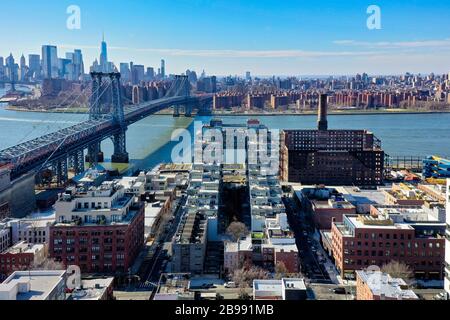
[[369, 222], [383, 284], [42, 283]]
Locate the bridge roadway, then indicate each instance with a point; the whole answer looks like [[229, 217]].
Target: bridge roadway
[[34, 154]]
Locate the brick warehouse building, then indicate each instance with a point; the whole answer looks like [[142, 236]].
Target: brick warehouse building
[[331, 157], [364, 240], [99, 229]]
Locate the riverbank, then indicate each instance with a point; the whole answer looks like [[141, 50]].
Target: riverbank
[[72, 110], [332, 112], [253, 114]]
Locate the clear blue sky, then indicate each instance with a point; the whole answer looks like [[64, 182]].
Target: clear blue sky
[[285, 37]]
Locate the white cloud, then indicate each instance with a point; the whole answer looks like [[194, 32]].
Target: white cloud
[[212, 53], [444, 43]]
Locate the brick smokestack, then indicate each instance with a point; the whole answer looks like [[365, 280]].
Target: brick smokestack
[[323, 112]]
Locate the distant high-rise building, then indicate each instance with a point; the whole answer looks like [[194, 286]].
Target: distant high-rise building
[[207, 84], [2, 68], [50, 62], [34, 66], [163, 69], [11, 68], [137, 74], [150, 75], [23, 62], [95, 66], [104, 65], [248, 76], [78, 65], [125, 73], [66, 70], [23, 68], [192, 76]]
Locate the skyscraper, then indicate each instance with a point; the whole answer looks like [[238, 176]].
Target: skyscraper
[[150, 74], [34, 61], [125, 73], [2, 68], [78, 64], [137, 74], [23, 68], [11, 68], [104, 66], [49, 62], [163, 69]]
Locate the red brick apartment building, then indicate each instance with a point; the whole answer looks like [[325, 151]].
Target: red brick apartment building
[[21, 256], [100, 229], [364, 240]]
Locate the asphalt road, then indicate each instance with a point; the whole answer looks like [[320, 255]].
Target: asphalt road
[[311, 268]]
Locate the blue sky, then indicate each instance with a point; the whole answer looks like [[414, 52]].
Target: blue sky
[[266, 37]]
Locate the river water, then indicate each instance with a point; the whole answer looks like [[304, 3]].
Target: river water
[[148, 140]]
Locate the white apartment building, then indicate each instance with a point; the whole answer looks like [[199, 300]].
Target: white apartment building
[[5, 237]]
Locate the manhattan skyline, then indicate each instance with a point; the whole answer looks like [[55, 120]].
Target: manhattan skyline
[[228, 38]]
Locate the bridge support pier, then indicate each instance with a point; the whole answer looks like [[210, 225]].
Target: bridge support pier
[[120, 148], [176, 111], [60, 170], [188, 110], [95, 154], [76, 161]]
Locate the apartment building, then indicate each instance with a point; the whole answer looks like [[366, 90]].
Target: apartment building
[[403, 234], [5, 237], [324, 205], [100, 229], [189, 245], [21, 256]]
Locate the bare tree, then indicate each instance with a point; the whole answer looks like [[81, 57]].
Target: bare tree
[[244, 277], [243, 295], [237, 230], [398, 269], [48, 264], [280, 270]]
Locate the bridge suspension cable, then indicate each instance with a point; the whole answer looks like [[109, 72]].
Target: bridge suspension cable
[[56, 116], [61, 134]]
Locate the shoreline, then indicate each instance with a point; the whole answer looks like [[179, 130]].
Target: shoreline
[[258, 114], [332, 113]]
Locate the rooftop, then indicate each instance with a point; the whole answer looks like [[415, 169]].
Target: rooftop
[[92, 289], [30, 285], [382, 284], [24, 247]]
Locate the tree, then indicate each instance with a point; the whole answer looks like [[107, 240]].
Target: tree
[[280, 270], [243, 295], [244, 277], [237, 230], [48, 264], [398, 269]]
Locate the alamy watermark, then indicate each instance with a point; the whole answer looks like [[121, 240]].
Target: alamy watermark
[[374, 19], [74, 277], [73, 21]]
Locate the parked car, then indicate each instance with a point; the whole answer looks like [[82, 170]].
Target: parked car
[[339, 290], [230, 284]]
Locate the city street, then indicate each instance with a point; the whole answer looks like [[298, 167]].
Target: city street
[[312, 266]]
